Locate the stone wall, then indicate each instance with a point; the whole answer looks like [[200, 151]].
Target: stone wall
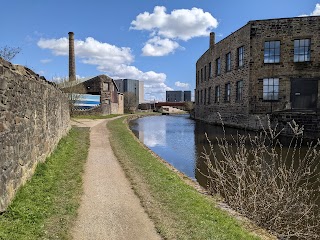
[[34, 115], [206, 109], [252, 38], [285, 30]]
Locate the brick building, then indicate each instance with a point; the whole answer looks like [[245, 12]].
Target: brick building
[[267, 66]]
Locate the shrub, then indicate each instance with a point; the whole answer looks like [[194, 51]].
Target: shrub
[[276, 187]]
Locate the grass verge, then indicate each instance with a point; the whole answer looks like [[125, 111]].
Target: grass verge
[[178, 210], [46, 206]]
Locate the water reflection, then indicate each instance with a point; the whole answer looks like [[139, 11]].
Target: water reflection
[[179, 140], [171, 137]]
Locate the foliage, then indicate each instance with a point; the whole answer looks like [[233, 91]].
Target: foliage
[[130, 102], [45, 207], [8, 53], [189, 106], [178, 210], [276, 188]]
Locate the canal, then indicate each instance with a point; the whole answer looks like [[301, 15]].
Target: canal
[[179, 140]]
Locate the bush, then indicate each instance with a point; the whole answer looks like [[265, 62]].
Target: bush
[[277, 188]]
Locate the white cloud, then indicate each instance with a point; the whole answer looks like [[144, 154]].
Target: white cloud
[[180, 23], [316, 11], [110, 59], [182, 85], [159, 47], [44, 61]]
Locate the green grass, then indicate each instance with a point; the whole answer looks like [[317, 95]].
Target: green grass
[[46, 206], [178, 210], [96, 116]]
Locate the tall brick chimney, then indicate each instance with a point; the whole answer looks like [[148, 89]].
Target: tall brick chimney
[[212, 40], [72, 64]]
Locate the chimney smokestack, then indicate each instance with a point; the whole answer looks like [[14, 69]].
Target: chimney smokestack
[[72, 65], [212, 40]]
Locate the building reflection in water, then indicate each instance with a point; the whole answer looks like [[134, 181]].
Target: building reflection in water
[[171, 137]]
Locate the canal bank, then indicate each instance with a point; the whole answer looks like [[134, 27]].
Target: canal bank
[[179, 211], [181, 142]]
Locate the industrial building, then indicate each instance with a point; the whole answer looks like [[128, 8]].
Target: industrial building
[[178, 96], [133, 86], [266, 67]]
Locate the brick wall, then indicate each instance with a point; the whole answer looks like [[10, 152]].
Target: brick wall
[[34, 115]]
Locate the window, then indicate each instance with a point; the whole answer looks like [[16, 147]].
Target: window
[[227, 92], [218, 66], [205, 96], [201, 75], [302, 50], [198, 77], [239, 90], [270, 89], [272, 52], [240, 56], [201, 97], [228, 62], [205, 73], [105, 86], [210, 71], [217, 94], [197, 96], [209, 95]]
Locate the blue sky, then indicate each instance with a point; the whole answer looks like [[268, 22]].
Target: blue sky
[[155, 41]]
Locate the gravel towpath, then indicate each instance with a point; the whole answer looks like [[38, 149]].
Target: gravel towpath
[[109, 209]]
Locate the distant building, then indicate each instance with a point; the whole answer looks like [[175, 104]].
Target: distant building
[[178, 96], [133, 86], [99, 95], [187, 96]]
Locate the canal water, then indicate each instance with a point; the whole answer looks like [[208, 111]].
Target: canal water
[[179, 140]]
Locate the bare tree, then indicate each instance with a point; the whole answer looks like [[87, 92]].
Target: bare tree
[[8, 53], [130, 102], [275, 187], [75, 91]]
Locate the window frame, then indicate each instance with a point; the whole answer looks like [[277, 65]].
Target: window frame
[[266, 89], [210, 70], [218, 66], [271, 48], [239, 90], [306, 50], [217, 94], [228, 62], [227, 92], [240, 54]]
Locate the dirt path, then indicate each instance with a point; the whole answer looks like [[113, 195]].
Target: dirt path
[[109, 208]]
